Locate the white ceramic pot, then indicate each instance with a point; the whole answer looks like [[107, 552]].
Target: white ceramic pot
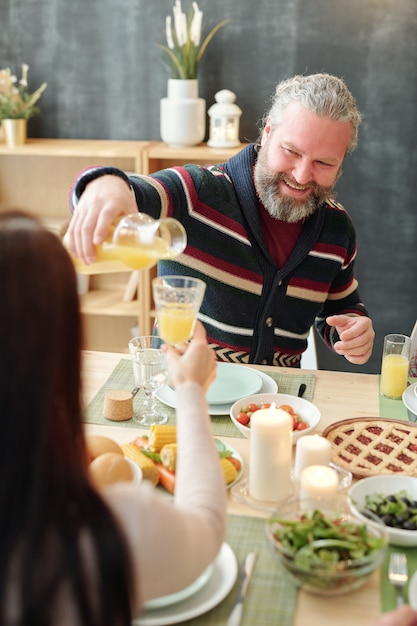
[[183, 114]]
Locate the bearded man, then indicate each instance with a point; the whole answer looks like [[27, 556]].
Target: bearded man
[[264, 231]]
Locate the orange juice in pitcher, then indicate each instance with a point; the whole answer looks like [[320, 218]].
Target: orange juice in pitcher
[[136, 242]]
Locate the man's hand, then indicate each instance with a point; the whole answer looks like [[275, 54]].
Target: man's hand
[[102, 202], [404, 616], [356, 337]]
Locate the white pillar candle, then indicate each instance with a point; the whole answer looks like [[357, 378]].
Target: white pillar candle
[[318, 481], [270, 454], [311, 450]]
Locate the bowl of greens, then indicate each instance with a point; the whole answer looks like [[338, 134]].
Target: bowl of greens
[[393, 499], [326, 549]]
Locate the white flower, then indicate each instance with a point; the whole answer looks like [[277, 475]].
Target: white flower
[[180, 22], [24, 80], [196, 25], [183, 36], [168, 29]]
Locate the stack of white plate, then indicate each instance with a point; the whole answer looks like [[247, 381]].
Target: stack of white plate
[[232, 382], [410, 401]]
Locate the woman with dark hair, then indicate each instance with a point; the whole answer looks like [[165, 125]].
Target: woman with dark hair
[[68, 554]]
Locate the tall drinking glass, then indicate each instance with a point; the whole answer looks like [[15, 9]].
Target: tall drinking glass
[[177, 302], [395, 364], [150, 373]]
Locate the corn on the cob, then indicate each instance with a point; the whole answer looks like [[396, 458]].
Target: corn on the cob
[[169, 456], [149, 471], [160, 435], [229, 471]]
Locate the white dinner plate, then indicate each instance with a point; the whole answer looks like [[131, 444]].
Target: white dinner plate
[[167, 395], [410, 398], [180, 596], [233, 382], [412, 591], [218, 586]]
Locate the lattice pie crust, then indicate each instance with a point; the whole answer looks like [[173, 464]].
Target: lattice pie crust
[[369, 446]]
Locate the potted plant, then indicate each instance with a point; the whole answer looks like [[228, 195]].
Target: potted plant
[[17, 105], [183, 113]]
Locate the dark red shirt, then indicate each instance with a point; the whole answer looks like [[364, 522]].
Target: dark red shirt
[[280, 237]]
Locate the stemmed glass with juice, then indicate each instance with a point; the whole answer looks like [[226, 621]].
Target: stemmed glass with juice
[[177, 302]]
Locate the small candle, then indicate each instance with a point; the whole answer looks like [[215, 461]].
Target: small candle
[[311, 450], [318, 481], [270, 455]]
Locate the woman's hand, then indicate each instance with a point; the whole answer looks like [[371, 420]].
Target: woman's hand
[[196, 364]]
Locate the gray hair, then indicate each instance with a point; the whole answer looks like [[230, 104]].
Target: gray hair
[[322, 94]]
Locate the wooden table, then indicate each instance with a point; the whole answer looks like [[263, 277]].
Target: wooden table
[[338, 395]]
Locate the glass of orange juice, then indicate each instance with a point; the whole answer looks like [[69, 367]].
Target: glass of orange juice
[[177, 302], [395, 364]]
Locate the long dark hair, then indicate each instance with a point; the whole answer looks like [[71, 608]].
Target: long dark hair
[[57, 537]]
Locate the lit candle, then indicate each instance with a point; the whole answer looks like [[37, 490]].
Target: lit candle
[[311, 450], [318, 481], [270, 454]]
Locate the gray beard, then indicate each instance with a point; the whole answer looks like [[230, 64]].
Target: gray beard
[[282, 207]]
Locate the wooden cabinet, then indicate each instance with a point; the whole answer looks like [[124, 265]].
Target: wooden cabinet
[[158, 155], [38, 176]]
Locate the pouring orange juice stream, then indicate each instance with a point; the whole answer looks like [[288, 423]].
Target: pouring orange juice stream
[[136, 242]]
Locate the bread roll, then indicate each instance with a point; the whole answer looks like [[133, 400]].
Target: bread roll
[[110, 468], [98, 444]]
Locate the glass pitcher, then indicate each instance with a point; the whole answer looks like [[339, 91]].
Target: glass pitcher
[[136, 242]]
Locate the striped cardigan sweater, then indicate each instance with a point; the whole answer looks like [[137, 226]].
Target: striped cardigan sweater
[[253, 311]]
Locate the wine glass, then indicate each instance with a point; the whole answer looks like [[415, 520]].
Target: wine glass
[[177, 302], [150, 373]]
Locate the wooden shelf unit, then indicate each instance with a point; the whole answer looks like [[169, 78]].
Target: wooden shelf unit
[[38, 176], [159, 155]]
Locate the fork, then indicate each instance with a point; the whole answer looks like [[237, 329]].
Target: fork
[[398, 574]]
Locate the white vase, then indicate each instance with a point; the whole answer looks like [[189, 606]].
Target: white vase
[[183, 114]]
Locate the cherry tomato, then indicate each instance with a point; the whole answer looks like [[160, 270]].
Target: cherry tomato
[[234, 461], [266, 405], [253, 407], [243, 418], [301, 425], [288, 408]]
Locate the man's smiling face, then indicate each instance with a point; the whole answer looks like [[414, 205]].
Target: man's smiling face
[[299, 162]]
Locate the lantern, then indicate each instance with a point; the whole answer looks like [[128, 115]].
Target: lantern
[[224, 120]]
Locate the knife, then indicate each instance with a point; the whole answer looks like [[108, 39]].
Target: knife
[[248, 566]]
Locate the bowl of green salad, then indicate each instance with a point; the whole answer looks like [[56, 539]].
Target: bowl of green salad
[[393, 499], [324, 547]]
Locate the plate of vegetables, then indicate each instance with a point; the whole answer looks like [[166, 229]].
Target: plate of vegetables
[[394, 500], [305, 414], [156, 456]]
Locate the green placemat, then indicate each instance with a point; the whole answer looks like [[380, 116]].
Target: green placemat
[[271, 597], [388, 595], [122, 378], [395, 409]]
